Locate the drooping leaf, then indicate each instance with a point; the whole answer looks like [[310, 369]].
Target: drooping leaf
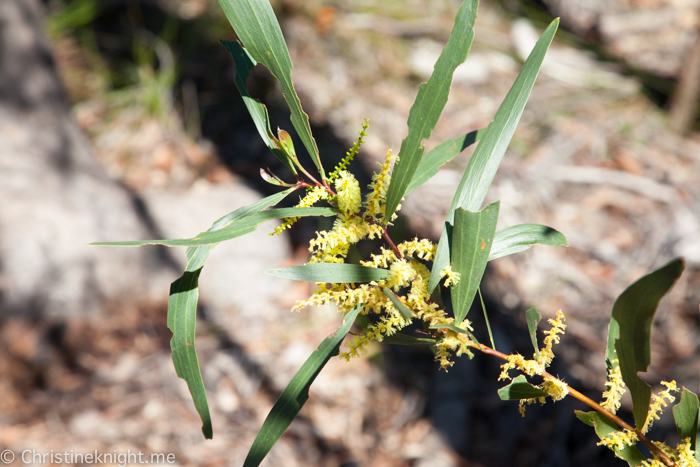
[[403, 339], [243, 64], [471, 244], [403, 309], [521, 237], [489, 152], [519, 389], [533, 317], [686, 414], [440, 155], [296, 393], [429, 103], [257, 28], [330, 273], [232, 228], [629, 332], [603, 427], [182, 311]]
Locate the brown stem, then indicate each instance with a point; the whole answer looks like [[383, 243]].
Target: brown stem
[[596, 406], [385, 234]]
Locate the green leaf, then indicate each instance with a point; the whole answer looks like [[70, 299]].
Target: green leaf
[[330, 273], [440, 155], [232, 228], [182, 311], [296, 393], [489, 152], [629, 332], [686, 414], [521, 237], [258, 29], [471, 244], [243, 64], [603, 427], [429, 103], [520, 389], [403, 309], [403, 339], [533, 317]]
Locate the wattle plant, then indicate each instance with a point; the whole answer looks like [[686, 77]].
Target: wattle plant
[[401, 286]]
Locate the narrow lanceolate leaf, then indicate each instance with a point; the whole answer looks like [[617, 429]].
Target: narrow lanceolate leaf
[[520, 389], [521, 237], [396, 301], [330, 273], [603, 428], [403, 339], [471, 244], [489, 152], [431, 100], [258, 29], [296, 393], [243, 64], [685, 414], [232, 228], [629, 332], [533, 317], [440, 155], [182, 311]]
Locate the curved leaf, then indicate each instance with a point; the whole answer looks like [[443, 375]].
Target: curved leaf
[[471, 244], [686, 414], [296, 393], [520, 389], [258, 29], [403, 339], [243, 64], [330, 273], [629, 332], [403, 309], [533, 317], [232, 228], [440, 155], [488, 154], [603, 427], [521, 237], [182, 311], [431, 100]]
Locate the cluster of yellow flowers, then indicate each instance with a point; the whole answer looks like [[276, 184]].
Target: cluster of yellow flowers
[[616, 388], [682, 456], [555, 388], [406, 269]]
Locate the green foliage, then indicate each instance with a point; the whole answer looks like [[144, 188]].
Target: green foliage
[[331, 273], [629, 332], [686, 414], [489, 152], [257, 27], [605, 427], [296, 393], [394, 287], [427, 108], [519, 389], [521, 237], [471, 244], [533, 317]]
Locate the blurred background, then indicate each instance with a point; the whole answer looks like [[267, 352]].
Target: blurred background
[[119, 120]]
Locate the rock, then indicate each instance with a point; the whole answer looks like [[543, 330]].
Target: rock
[[55, 197]]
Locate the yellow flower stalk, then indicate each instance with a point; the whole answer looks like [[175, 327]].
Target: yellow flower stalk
[[658, 403], [616, 388]]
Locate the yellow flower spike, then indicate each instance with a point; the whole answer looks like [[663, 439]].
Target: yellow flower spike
[[619, 440], [376, 198], [658, 402], [352, 152], [348, 189], [616, 388], [555, 388]]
